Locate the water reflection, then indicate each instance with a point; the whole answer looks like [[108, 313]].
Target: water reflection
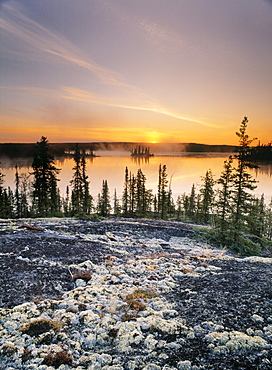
[[184, 170], [140, 160], [264, 169], [7, 163]]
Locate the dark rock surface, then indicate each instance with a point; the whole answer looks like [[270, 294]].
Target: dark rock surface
[[219, 295], [28, 254]]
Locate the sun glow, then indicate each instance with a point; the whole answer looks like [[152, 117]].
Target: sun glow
[[153, 137]]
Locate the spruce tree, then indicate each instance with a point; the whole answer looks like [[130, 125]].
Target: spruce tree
[[170, 200], [155, 204], [116, 205], [7, 203], [17, 194], [87, 198], [21, 207], [132, 195], [223, 204], [81, 199], [192, 203], [179, 207], [163, 199], [186, 205], [141, 201], [66, 202], [104, 206], [149, 199], [243, 184], [77, 185], [125, 197], [256, 217], [45, 193], [1, 193], [207, 196], [268, 221]]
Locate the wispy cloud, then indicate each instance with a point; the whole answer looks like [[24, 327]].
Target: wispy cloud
[[75, 94], [41, 39], [85, 96], [161, 37]]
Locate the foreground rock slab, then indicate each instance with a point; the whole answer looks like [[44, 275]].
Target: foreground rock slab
[[126, 294]]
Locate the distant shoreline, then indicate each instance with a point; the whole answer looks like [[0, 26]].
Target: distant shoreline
[[13, 150]]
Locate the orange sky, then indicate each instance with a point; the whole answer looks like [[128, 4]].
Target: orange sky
[[186, 71]]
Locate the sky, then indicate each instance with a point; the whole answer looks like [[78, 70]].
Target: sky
[[135, 70]]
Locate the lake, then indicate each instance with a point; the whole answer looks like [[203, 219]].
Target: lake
[[183, 170]]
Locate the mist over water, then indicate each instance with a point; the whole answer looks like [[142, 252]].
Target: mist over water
[[184, 170]]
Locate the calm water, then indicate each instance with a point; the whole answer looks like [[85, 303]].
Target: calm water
[[183, 170]]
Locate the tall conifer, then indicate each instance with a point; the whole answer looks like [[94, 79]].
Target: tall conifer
[[243, 184], [45, 193]]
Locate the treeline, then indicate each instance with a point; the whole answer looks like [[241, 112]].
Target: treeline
[[260, 153], [237, 219], [27, 150]]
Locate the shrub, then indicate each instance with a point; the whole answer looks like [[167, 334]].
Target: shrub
[[136, 304], [141, 293], [133, 299], [57, 359], [40, 326], [247, 247]]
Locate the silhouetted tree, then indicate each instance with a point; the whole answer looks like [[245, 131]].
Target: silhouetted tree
[[1, 192], [87, 198], [170, 200], [155, 204], [192, 202], [186, 205], [141, 199], [116, 205], [132, 195], [77, 185], [125, 197], [25, 189], [66, 202], [243, 184], [81, 199], [223, 204], [20, 195], [45, 193], [207, 193], [6, 203], [179, 207], [104, 206], [162, 192], [16, 194], [149, 201]]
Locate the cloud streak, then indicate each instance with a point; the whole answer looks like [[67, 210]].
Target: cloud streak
[[75, 94], [87, 97], [39, 38]]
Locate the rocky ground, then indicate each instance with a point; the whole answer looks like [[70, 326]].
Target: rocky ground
[[129, 294]]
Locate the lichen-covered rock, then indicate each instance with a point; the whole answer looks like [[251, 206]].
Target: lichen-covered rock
[[101, 329], [235, 342], [184, 365], [152, 366], [128, 334]]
